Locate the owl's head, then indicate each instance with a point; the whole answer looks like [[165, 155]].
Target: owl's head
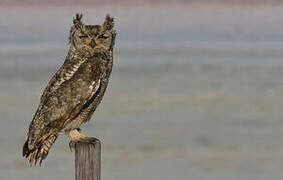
[[91, 37]]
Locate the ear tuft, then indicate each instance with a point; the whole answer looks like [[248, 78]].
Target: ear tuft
[[78, 20], [108, 22]]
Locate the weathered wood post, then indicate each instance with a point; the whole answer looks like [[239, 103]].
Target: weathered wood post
[[88, 160]]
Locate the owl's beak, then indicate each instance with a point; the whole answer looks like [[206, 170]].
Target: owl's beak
[[92, 43]]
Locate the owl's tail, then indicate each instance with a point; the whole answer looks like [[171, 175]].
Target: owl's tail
[[39, 152]]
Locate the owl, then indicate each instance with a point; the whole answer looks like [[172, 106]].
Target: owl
[[75, 91]]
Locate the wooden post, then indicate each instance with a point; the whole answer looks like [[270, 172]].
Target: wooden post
[[88, 160]]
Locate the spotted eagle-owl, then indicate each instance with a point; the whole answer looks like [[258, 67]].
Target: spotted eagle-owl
[[76, 89]]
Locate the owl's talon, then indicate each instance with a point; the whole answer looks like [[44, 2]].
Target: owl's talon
[[90, 140], [72, 145]]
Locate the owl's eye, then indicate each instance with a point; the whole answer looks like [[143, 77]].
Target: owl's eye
[[103, 36], [83, 36]]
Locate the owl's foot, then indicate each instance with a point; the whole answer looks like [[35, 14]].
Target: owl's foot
[[90, 140], [77, 136]]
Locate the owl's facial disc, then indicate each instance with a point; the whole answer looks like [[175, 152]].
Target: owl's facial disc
[[93, 38]]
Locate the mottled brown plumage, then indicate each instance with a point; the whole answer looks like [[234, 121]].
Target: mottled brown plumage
[[76, 89]]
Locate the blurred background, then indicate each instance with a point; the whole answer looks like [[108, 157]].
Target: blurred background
[[196, 91]]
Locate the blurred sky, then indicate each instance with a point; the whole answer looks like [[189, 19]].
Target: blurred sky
[[196, 90]]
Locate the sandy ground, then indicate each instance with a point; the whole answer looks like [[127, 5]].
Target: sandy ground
[[194, 95]]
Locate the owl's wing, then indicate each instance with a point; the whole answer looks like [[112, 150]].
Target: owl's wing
[[65, 72], [66, 101]]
